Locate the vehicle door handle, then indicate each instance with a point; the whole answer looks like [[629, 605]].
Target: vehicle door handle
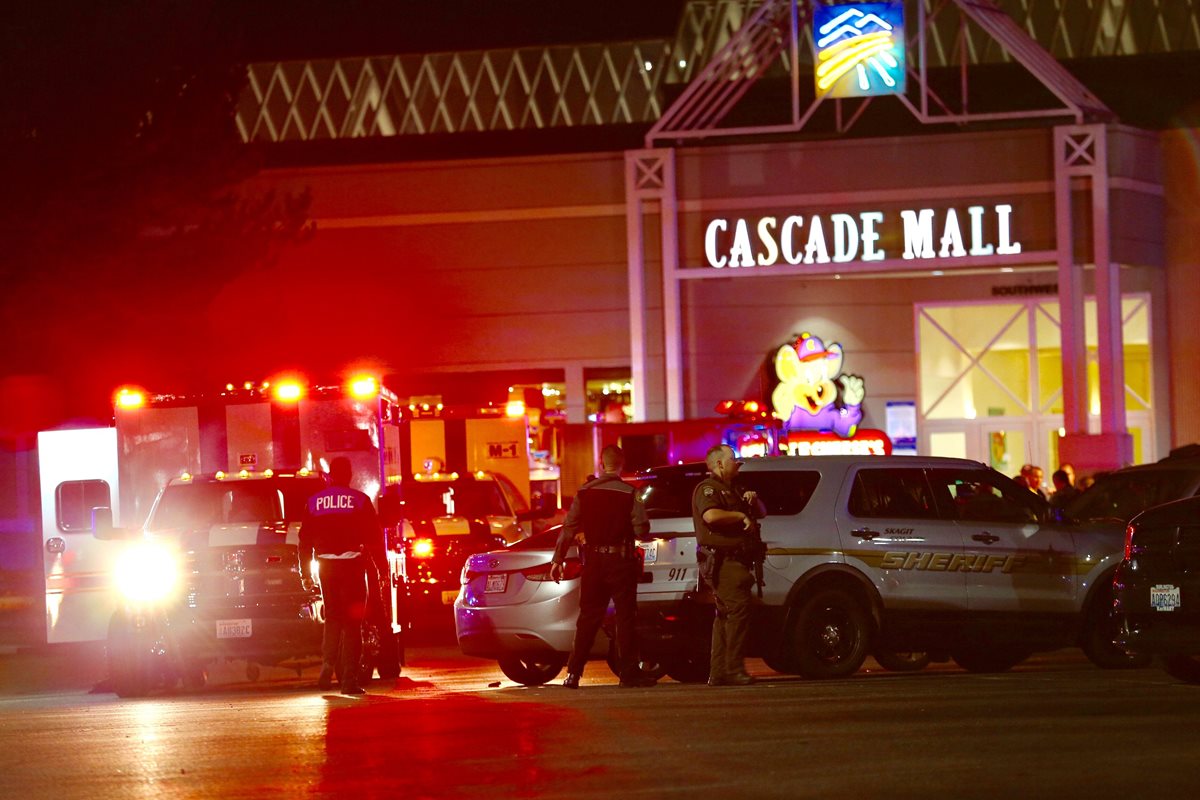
[[986, 538], [865, 533]]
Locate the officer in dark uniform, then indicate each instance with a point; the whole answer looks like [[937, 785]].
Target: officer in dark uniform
[[610, 518], [724, 518], [340, 528]]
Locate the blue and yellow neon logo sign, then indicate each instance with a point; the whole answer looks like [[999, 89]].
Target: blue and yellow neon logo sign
[[860, 49]]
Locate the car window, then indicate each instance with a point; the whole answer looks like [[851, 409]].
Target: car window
[[667, 494], [1123, 495], [892, 493], [983, 496], [202, 505], [540, 541], [460, 498], [783, 493]]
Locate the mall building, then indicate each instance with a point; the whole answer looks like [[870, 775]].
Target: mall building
[[971, 225]]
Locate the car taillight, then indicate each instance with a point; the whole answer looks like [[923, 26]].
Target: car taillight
[[1130, 530], [572, 569], [422, 548]]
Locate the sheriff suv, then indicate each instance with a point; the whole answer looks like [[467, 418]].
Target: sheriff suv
[[905, 558]]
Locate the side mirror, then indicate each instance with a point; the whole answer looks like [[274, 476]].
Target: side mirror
[[102, 525]]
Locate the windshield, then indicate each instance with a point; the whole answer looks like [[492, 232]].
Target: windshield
[[202, 505], [461, 498], [1123, 495]]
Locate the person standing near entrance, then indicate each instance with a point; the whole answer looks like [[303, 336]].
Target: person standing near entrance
[[340, 528], [611, 519], [725, 520]]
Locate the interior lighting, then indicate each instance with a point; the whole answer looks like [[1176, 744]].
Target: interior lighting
[[129, 397], [682, 63], [648, 66], [186, 476], [245, 473], [220, 475], [364, 387], [422, 548], [514, 409]]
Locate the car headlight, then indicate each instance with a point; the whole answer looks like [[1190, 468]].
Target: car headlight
[[147, 572]]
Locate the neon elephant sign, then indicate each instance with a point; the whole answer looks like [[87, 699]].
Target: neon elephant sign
[[813, 394]]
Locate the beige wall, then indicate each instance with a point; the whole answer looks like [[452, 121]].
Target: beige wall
[[1182, 183]]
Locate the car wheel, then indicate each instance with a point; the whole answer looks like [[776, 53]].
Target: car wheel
[[132, 666], [194, 676], [1100, 628], [380, 652], [996, 658], [533, 670], [830, 636], [653, 669], [689, 668], [1184, 668], [894, 661]]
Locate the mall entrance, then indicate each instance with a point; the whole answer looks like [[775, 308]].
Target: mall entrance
[[990, 380]]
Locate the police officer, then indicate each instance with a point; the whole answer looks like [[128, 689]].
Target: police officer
[[341, 529], [611, 519], [724, 518]]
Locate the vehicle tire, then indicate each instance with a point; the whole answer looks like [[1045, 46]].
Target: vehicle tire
[[653, 669], [533, 670], [132, 667], [1182, 667], [982, 658], [193, 676], [894, 661], [1100, 627], [691, 668], [380, 652], [830, 636]]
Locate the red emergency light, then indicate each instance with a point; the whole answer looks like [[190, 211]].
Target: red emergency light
[[288, 390], [741, 409], [129, 397], [363, 387]]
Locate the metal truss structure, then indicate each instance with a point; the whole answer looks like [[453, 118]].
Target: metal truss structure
[[626, 82], [782, 27]]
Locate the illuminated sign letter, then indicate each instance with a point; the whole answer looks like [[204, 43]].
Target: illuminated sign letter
[[869, 237], [1007, 246], [816, 243], [740, 255], [952, 243], [978, 248], [845, 238], [788, 239], [918, 233], [710, 243], [771, 250]]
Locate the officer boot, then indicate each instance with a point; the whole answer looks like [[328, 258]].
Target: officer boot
[[572, 681], [325, 679]]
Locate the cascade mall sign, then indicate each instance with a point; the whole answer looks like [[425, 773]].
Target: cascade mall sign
[[845, 238]]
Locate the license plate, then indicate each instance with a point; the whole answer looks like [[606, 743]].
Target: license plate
[[1165, 597], [496, 583], [449, 596], [649, 551], [233, 628]]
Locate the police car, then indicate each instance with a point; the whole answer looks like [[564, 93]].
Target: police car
[[216, 574], [901, 557]]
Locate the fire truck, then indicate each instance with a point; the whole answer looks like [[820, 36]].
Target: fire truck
[[173, 535]]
